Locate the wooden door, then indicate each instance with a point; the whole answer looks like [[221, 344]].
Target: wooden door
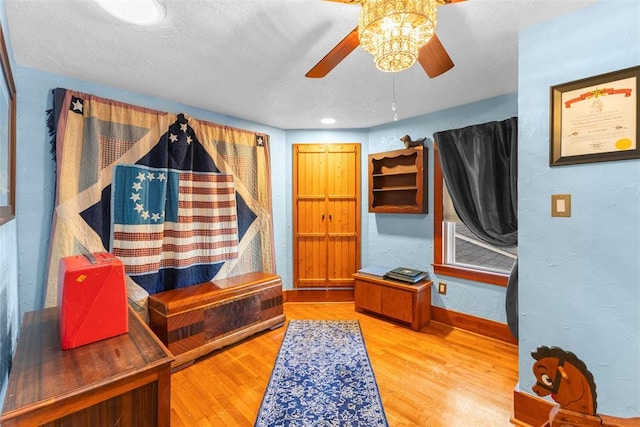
[[326, 216], [309, 216]]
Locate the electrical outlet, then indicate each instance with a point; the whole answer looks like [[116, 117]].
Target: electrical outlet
[[442, 288]]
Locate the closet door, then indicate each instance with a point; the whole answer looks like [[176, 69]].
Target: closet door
[[309, 216], [326, 191], [343, 212]]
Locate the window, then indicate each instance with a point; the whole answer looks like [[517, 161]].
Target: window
[[457, 252]]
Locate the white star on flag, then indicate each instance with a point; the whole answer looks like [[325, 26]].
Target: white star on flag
[[77, 105]]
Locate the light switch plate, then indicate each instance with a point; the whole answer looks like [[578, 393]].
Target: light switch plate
[[561, 205]]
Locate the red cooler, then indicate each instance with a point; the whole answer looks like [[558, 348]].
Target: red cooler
[[92, 299]]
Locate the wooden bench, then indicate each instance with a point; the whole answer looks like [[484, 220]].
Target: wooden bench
[[195, 320]]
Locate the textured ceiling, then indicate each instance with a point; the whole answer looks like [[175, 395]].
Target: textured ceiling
[[248, 58]]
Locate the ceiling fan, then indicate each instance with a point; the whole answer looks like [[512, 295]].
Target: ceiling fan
[[432, 56]]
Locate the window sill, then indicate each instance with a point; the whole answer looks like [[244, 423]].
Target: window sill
[[469, 274]]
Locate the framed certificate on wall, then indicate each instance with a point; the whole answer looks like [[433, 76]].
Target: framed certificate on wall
[[595, 119]]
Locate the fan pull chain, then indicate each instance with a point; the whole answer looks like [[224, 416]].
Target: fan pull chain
[[394, 107]]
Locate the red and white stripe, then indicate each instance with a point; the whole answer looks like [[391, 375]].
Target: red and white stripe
[[206, 231]]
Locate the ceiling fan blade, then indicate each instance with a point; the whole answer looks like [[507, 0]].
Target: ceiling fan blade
[[434, 58], [335, 55]]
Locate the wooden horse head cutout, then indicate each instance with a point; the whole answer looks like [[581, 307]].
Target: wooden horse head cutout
[[566, 378], [562, 375]]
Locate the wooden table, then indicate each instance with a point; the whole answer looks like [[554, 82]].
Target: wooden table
[[403, 302], [124, 380]]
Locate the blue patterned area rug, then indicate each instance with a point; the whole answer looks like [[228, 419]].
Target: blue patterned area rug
[[322, 377]]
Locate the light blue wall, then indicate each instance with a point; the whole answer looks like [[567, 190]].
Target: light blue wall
[[407, 240], [36, 177], [579, 276]]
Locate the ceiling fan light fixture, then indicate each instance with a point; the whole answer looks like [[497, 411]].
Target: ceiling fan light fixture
[[394, 30], [139, 12]]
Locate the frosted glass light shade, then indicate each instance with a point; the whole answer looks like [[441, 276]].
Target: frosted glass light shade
[[139, 12]]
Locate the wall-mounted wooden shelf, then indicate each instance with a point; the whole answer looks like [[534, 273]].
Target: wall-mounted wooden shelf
[[397, 181]]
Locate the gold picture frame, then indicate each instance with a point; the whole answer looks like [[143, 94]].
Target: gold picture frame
[[7, 137], [595, 119]]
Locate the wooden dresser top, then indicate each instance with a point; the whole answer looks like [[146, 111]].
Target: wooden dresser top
[[43, 375]]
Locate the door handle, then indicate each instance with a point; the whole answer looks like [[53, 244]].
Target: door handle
[[330, 217], [323, 217]]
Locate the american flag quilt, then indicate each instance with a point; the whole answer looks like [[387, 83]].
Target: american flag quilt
[[179, 200]]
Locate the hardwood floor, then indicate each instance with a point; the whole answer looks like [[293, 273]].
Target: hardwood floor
[[436, 377]]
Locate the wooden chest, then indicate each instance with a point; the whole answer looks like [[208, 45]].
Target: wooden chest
[[198, 319], [403, 302]]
